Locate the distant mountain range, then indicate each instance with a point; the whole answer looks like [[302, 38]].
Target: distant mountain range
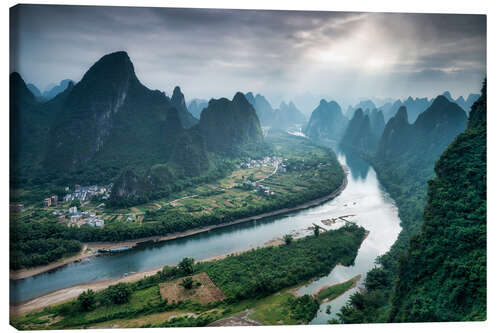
[[365, 105], [196, 106], [414, 106], [51, 91], [285, 116]]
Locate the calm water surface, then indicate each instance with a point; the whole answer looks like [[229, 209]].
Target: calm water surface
[[363, 197]]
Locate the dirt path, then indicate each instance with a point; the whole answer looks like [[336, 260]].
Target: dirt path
[[24, 273], [186, 197], [239, 319]]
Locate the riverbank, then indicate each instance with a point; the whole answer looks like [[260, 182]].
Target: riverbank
[[27, 272], [91, 247], [66, 294]]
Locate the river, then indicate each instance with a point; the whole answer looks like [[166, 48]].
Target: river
[[363, 197]]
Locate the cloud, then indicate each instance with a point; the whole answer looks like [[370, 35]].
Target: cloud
[[282, 54]]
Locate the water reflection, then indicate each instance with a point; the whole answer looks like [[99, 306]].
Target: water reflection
[[376, 212], [359, 167]]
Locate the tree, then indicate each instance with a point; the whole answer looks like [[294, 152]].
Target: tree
[[187, 283], [288, 239], [75, 203], [168, 272], [119, 293], [86, 300], [316, 230], [187, 266]]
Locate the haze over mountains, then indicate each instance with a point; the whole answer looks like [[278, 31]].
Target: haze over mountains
[[110, 116], [51, 91], [109, 119], [327, 122]]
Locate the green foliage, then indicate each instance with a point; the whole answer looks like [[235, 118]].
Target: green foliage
[[303, 157], [267, 270], [336, 290], [87, 300], [226, 124], [75, 203], [187, 283], [118, 293], [442, 277], [304, 308], [364, 308], [436, 270], [241, 277], [37, 239], [316, 230], [288, 239], [186, 266]]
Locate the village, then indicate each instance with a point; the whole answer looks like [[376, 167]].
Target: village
[[277, 163], [73, 215]]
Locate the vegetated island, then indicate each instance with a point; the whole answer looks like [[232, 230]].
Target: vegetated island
[[198, 294]]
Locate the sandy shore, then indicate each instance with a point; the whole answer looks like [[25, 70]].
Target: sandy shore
[[27, 272], [69, 293], [72, 292], [24, 273]]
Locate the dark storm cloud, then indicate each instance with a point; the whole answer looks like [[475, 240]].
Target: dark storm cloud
[[214, 52]]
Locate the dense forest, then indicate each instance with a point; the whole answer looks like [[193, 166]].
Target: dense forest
[[442, 277], [257, 273], [436, 269]]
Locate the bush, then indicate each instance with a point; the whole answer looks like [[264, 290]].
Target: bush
[[118, 293], [86, 300], [304, 308], [186, 266], [187, 283], [288, 239]]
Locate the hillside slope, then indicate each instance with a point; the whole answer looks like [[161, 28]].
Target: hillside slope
[[443, 275]]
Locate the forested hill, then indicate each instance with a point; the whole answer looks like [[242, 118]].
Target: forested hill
[[109, 115], [404, 163], [433, 130], [109, 127], [226, 124], [359, 134], [443, 275]]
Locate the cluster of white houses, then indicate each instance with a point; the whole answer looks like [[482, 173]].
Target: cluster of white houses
[[266, 161], [81, 193], [258, 188], [80, 218], [84, 193]]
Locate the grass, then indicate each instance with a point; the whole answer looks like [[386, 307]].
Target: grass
[[275, 310], [332, 292]]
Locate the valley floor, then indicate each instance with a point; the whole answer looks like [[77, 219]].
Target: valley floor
[[90, 248]]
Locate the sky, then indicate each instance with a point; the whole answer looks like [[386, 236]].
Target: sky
[[285, 55]]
